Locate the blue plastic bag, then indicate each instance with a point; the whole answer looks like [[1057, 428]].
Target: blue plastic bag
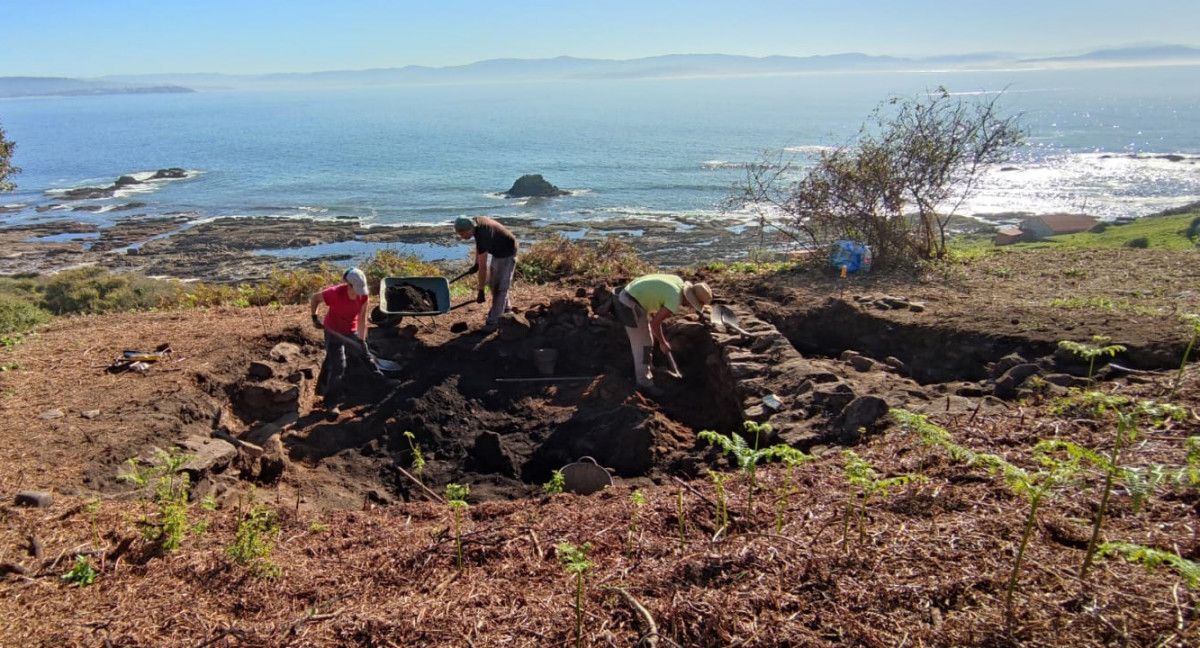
[[852, 255]]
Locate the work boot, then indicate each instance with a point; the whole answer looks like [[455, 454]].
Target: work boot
[[650, 389]]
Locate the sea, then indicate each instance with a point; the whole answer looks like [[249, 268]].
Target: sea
[[1114, 143]]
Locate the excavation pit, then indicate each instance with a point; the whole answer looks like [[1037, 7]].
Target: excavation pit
[[481, 413]]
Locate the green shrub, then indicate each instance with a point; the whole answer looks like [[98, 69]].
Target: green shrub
[[1140, 242], [557, 257], [97, 290], [255, 541], [18, 316]]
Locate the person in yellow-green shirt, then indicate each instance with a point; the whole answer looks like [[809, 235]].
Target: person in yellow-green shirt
[[643, 305]]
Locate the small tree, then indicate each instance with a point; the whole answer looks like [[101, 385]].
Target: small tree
[[897, 188], [7, 169]]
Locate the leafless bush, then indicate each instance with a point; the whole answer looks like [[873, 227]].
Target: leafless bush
[[896, 188]]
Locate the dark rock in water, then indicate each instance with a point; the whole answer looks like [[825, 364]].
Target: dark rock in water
[[407, 298], [128, 206], [126, 180], [88, 193], [172, 173], [87, 208], [534, 186]]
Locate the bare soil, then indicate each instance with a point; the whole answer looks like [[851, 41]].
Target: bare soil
[[366, 560]]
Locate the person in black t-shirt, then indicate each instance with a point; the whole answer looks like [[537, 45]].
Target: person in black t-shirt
[[494, 240]]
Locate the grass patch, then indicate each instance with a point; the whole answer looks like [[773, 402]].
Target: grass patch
[[557, 257], [1102, 304], [18, 316], [1153, 232]]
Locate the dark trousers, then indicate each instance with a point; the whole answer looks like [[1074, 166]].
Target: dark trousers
[[334, 370]]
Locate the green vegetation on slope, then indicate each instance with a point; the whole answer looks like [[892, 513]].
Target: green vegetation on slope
[[1155, 232]]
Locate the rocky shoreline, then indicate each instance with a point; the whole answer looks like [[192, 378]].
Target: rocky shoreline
[[236, 249]]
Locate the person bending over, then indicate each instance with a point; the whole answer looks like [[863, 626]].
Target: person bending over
[[643, 305], [494, 240], [347, 304]]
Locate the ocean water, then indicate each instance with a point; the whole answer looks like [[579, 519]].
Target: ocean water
[[648, 148]]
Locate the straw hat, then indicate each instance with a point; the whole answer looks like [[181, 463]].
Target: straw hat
[[698, 295]]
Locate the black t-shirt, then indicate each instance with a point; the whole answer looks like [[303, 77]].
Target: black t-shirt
[[493, 238]]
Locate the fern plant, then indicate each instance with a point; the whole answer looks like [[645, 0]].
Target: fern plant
[[748, 457], [254, 541], [718, 481], [1098, 348], [1190, 474], [1192, 321], [638, 501], [1154, 558], [1033, 487], [575, 561], [783, 497], [418, 459], [866, 484], [681, 519], [456, 499], [167, 487]]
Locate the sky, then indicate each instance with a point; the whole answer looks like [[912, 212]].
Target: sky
[[87, 38]]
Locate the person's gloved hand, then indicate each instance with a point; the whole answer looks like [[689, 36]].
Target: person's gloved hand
[[480, 298], [317, 322]]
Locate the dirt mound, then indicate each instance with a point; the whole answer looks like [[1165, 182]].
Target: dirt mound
[[407, 298]]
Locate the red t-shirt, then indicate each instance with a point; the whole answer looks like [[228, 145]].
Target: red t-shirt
[[343, 311]]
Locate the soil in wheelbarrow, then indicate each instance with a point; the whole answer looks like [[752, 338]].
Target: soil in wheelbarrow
[[474, 425], [407, 298]]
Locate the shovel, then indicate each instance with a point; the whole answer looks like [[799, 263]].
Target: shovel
[[382, 364], [723, 315]]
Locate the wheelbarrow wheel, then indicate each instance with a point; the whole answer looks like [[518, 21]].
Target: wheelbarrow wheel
[[380, 318]]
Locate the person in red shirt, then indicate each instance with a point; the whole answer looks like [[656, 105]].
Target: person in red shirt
[[347, 304]]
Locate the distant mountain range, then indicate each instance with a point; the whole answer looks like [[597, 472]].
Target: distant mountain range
[[55, 86], [567, 68]]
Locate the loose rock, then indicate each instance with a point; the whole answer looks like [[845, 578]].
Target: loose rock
[[35, 499]]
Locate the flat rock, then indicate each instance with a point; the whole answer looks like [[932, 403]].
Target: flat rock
[[1006, 385], [285, 352], [208, 454], [35, 499], [862, 412], [90, 414], [862, 363], [52, 414]]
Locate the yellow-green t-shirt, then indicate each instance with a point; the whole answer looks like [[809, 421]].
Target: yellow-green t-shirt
[[655, 291]]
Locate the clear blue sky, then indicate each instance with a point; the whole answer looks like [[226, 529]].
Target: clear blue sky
[[96, 37]]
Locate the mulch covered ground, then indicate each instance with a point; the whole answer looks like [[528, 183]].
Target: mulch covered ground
[[930, 568]]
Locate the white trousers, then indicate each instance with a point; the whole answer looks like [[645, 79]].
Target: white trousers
[[641, 342]]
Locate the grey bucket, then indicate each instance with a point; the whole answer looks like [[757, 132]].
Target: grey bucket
[[585, 476]]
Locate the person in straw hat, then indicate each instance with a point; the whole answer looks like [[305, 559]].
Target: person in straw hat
[[643, 305]]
